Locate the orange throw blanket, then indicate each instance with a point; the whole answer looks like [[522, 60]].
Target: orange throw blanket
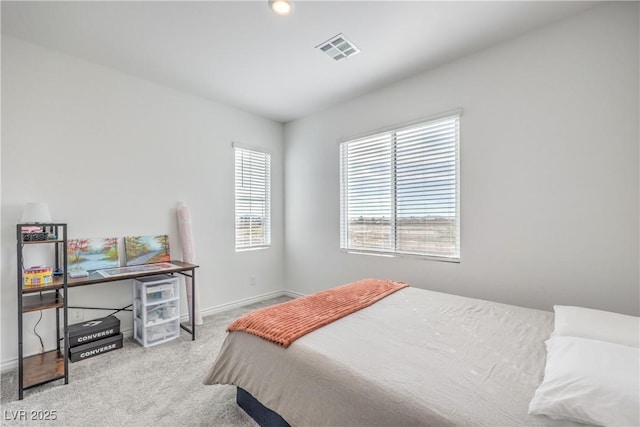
[[286, 322]]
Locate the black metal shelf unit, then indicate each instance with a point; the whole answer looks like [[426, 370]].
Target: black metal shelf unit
[[49, 365]]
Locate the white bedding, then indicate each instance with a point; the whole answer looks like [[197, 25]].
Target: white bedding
[[414, 358]]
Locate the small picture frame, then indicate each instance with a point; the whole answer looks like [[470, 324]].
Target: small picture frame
[[88, 254], [146, 249]]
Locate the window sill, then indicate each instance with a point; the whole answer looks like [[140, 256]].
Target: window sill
[[254, 248], [401, 255]]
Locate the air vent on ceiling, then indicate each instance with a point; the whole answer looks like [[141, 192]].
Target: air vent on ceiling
[[338, 47]]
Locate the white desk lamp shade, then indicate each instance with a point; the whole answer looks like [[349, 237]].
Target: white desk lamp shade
[[35, 212]]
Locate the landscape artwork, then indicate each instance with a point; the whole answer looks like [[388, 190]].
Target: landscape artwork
[[146, 249], [92, 253]]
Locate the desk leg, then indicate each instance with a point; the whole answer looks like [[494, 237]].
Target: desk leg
[[193, 304], [192, 327]]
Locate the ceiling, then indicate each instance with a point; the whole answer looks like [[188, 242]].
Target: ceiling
[[241, 54]]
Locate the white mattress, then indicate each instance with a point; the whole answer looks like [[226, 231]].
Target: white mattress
[[414, 358]]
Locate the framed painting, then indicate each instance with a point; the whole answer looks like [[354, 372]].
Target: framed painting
[[92, 253], [146, 249]]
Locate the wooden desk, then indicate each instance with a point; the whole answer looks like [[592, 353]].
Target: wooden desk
[[183, 268]]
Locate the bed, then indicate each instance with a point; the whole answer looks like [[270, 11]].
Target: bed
[[415, 357]]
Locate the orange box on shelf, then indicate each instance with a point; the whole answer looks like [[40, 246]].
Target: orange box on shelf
[[39, 275]]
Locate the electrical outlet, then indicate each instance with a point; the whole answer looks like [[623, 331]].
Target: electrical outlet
[[76, 315], [252, 280]]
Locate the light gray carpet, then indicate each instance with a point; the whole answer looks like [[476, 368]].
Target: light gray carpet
[[137, 386]]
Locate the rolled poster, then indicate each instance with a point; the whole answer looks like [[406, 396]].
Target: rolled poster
[[188, 255]]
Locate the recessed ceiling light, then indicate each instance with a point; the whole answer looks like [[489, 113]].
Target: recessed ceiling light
[[338, 47], [281, 7]]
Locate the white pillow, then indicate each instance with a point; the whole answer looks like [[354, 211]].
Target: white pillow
[[589, 381], [597, 325]]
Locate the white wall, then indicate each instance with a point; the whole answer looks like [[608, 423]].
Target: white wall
[[112, 155], [550, 183], [549, 171]]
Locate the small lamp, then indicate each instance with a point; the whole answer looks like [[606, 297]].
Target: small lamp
[[35, 213]]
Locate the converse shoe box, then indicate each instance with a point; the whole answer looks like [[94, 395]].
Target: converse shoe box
[[95, 348], [93, 330]]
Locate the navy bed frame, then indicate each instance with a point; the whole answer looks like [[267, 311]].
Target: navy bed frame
[[264, 416]]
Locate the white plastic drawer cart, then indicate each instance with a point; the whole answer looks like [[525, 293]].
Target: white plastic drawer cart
[[156, 309]]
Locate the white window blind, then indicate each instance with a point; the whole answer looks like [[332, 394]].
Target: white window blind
[[253, 199], [400, 191]]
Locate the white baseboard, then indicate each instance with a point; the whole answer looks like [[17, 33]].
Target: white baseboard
[[292, 294], [12, 364], [240, 303]]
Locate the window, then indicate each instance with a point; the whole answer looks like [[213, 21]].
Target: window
[[400, 190], [253, 199]]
